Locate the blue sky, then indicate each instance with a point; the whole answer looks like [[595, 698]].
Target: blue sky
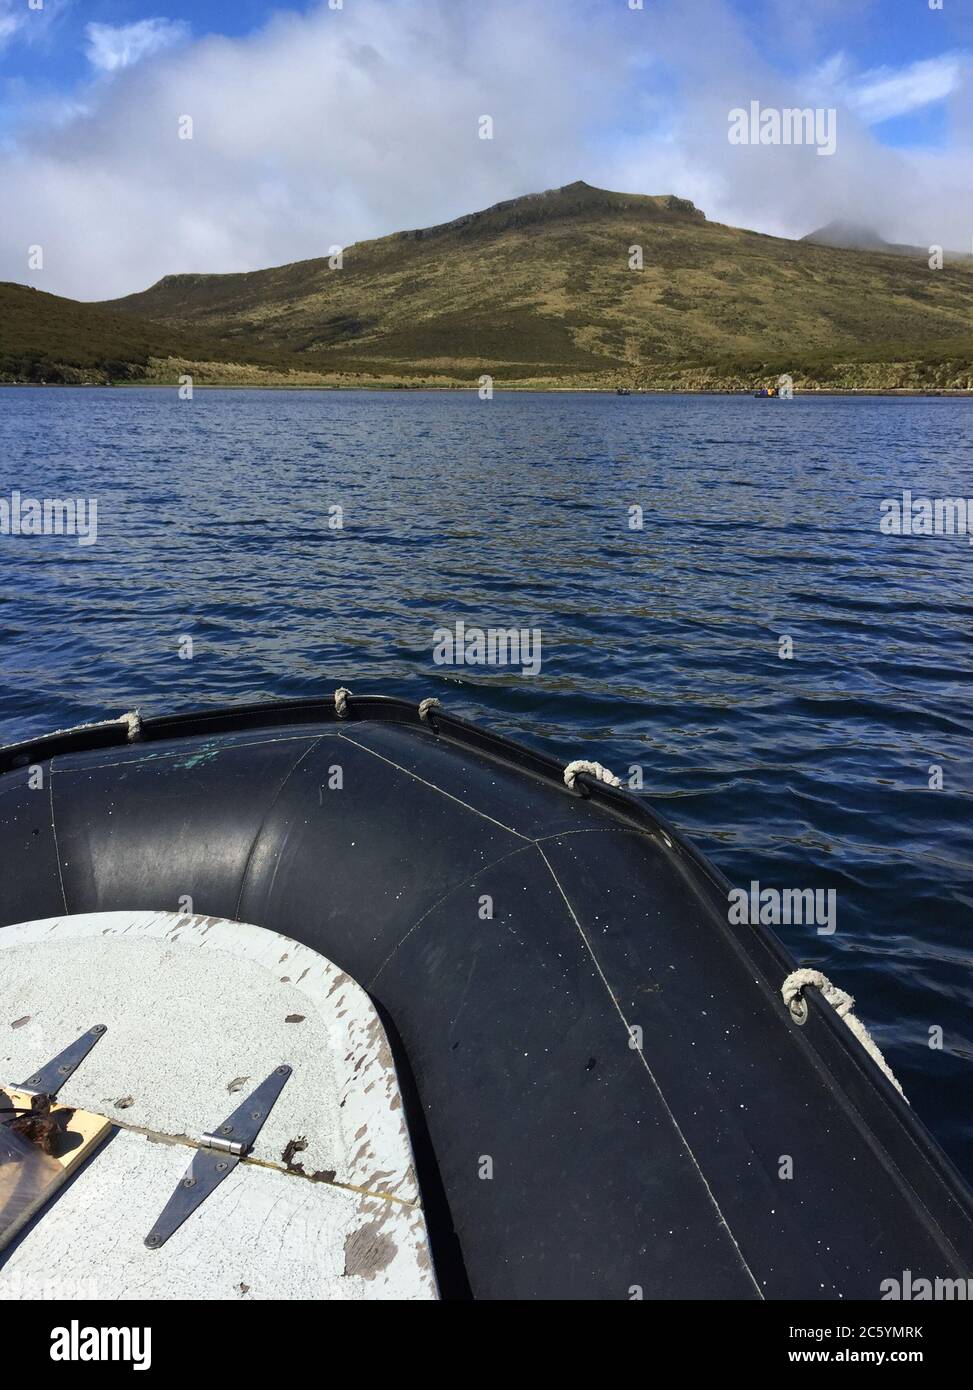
[[58, 55], [319, 123]]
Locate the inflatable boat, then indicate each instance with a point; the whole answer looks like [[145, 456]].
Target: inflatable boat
[[353, 999]]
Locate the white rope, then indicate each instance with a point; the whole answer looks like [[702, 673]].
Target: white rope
[[133, 723], [341, 702], [593, 770], [426, 705], [793, 990]]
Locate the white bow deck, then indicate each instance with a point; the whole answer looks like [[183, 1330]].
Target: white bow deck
[[199, 1011]]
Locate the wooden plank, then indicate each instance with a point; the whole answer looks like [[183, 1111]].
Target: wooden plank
[[27, 1185]]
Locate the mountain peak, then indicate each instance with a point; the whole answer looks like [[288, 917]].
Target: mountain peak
[[571, 199], [850, 236]]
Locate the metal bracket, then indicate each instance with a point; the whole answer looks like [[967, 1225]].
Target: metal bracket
[[218, 1154], [49, 1078]]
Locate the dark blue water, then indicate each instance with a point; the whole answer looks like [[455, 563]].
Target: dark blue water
[[660, 646]]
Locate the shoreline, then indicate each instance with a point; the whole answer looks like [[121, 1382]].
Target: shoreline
[[804, 392]]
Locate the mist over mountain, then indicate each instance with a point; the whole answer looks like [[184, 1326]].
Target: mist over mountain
[[850, 235]]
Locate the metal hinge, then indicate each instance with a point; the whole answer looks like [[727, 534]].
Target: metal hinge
[[218, 1154], [48, 1079]]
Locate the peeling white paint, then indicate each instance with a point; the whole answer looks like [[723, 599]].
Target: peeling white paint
[[262, 1234], [197, 1012]]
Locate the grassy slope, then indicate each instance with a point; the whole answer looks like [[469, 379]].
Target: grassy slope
[[46, 338], [539, 290]]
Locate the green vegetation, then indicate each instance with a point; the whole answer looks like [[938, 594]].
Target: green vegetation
[[537, 291], [44, 338]]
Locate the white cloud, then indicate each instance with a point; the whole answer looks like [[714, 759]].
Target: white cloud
[[882, 93], [19, 21], [111, 47], [12, 16], [320, 129], [788, 191], [337, 125]]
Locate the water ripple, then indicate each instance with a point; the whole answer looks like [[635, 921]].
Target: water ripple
[[760, 520]]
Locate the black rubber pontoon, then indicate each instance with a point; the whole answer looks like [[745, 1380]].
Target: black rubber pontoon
[[616, 1169]]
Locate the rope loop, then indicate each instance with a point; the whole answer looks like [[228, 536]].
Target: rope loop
[[341, 697], [426, 707], [593, 770], [133, 723], [792, 991]]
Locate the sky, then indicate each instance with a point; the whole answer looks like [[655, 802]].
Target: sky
[[318, 123]]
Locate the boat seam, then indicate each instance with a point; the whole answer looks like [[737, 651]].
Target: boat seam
[[675, 1123], [449, 795], [593, 830], [439, 902], [57, 852]]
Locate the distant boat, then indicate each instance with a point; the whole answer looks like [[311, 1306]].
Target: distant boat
[[764, 392], [622, 391]]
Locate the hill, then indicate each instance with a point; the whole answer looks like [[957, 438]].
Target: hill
[[46, 338], [539, 291], [851, 236]]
